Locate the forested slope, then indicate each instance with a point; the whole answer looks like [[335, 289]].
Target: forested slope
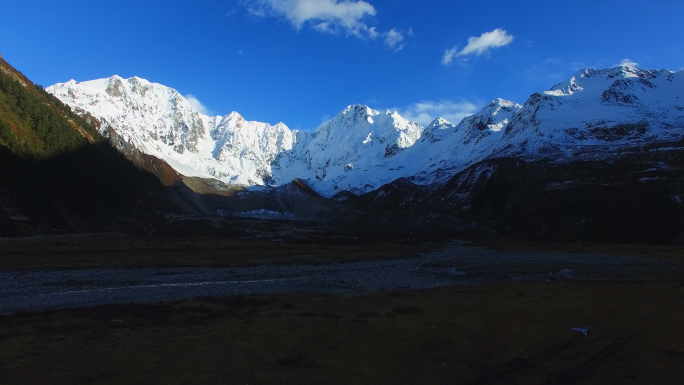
[[57, 173]]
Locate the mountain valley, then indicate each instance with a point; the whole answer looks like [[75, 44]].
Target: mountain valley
[[597, 158], [558, 167], [536, 239]]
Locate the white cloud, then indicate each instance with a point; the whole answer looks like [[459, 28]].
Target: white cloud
[[349, 17], [479, 45], [394, 39], [330, 16], [626, 62], [449, 56], [197, 105], [254, 8], [488, 40], [426, 111]]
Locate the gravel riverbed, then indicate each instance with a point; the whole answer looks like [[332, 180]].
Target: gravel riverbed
[[454, 265]]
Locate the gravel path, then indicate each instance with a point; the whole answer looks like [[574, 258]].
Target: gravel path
[[455, 265]]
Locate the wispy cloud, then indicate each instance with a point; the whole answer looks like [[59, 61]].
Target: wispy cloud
[[626, 62], [348, 17], [478, 45], [394, 39], [426, 111], [448, 56], [554, 69], [197, 105]]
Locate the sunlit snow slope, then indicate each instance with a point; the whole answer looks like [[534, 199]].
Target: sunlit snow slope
[[595, 114], [159, 121]]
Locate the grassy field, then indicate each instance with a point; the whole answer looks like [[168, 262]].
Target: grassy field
[[492, 333], [87, 252], [100, 251], [671, 253], [495, 333]]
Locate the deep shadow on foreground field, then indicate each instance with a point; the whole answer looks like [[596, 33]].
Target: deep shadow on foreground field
[[670, 253], [495, 333], [119, 251]]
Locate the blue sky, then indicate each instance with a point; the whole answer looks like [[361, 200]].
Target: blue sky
[[303, 61]]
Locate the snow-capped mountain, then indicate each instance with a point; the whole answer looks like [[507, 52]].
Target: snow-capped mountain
[[598, 111], [158, 121], [449, 149], [350, 153], [594, 113], [355, 151]]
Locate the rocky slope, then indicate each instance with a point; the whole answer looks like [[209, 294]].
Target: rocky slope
[[635, 198], [599, 112]]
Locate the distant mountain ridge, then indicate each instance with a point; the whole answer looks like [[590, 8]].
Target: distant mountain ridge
[[593, 114]]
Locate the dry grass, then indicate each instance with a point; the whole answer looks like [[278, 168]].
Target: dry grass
[[498, 333], [88, 252], [670, 253]]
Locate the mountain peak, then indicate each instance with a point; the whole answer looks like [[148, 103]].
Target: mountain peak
[[439, 123], [499, 106], [599, 80], [234, 115], [503, 103], [359, 110]]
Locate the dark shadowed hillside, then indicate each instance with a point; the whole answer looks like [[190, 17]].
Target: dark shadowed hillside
[[636, 198], [57, 173]]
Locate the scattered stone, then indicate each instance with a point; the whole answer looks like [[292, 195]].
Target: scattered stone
[[584, 331], [566, 274], [55, 288], [453, 271]]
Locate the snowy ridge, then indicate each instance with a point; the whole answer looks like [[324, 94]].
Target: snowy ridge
[[159, 121], [595, 113], [450, 148], [600, 110], [356, 151]]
